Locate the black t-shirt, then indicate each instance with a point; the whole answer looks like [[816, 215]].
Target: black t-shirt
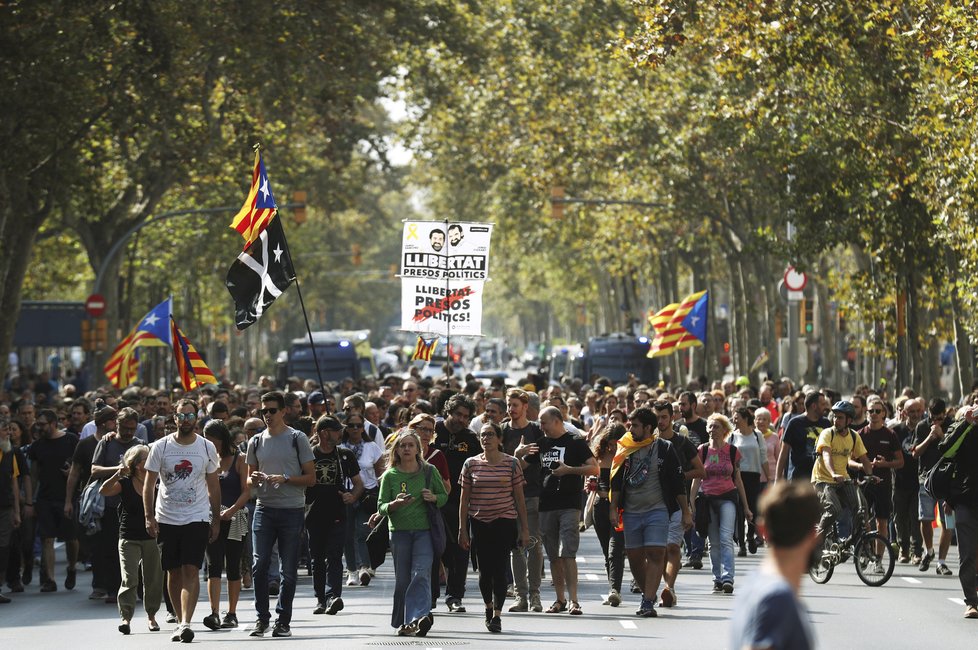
[[801, 436], [931, 455], [83, 457], [561, 492], [334, 472], [132, 517], [54, 458], [697, 433], [457, 447], [530, 434], [686, 451], [906, 476], [882, 442]]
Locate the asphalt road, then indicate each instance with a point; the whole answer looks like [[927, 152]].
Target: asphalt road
[[911, 610]]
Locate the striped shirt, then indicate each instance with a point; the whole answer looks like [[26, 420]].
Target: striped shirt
[[491, 487]]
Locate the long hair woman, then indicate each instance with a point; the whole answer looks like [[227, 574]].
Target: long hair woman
[[136, 548], [611, 539], [720, 491], [490, 501], [405, 488]]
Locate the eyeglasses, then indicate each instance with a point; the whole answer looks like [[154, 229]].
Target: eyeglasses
[[269, 411], [187, 417], [354, 426], [487, 434], [876, 410], [425, 429], [42, 423]]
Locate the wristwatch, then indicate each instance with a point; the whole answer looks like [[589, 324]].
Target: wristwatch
[[286, 477]]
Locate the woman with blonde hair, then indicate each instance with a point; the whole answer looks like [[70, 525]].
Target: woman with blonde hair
[[408, 485], [719, 492], [136, 547]]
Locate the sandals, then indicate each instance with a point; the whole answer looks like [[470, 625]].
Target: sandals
[[575, 609], [558, 607]]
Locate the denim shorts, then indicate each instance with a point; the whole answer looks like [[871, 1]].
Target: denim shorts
[[675, 529], [646, 528]]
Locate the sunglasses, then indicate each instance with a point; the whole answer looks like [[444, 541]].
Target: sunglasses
[[876, 410], [354, 426], [187, 417], [269, 411]]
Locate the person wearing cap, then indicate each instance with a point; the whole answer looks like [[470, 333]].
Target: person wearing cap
[[317, 404]]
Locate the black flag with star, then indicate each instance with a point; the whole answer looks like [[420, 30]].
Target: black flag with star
[[260, 275]]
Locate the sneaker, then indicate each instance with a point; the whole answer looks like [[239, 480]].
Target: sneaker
[[230, 621], [124, 628], [186, 635], [455, 606], [4, 600], [925, 561], [407, 630], [171, 617], [70, 579], [717, 587], [971, 612], [364, 577], [915, 559], [535, 604], [494, 625], [334, 604], [752, 546], [904, 559], [742, 552], [635, 588], [273, 588], [176, 634], [424, 624], [878, 568], [281, 629], [259, 629], [575, 609], [351, 579], [521, 605], [943, 570], [693, 563], [212, 621], [614, 598], [668, 598], [727, 587], [557, 607], [49, 586], [320, 608], [17, 587], [646, 609], [511, 591]]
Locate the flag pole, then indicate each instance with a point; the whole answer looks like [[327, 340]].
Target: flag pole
[[450, 370], [305, 317]]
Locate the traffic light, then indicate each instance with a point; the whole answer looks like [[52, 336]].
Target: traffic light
[[299, 211], [807, 317], [86, 335], [355, 253], [557, 202], [101, 334]]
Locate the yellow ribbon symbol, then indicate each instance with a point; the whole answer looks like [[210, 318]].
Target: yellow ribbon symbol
[[412, 231]]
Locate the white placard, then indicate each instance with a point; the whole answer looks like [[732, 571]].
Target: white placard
[[439, 250], [438, 307]]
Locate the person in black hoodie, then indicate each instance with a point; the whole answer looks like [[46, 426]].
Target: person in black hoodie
[[966, 506]]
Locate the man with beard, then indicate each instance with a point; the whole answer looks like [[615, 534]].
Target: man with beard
[[189, 497], [437, 239], [106, 460], [458, 443], [50, 458]]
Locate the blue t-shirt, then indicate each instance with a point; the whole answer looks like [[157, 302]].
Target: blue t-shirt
[[766, 614]]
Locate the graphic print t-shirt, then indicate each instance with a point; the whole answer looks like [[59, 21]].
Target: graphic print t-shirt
[[183, 471]]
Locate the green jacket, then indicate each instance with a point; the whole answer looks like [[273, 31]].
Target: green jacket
[[413, 516]]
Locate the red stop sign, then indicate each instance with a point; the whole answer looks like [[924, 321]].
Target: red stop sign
[[95, 305]]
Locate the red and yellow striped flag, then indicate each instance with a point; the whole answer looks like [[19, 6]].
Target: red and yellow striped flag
[[680, 325], [259, 208], [153, 329], [424, 349], [191, 368]]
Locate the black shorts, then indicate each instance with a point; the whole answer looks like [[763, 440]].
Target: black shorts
[[183, 545], [51, 521], [879, 496]]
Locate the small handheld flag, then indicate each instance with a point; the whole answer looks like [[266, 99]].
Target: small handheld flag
[[424, 349]]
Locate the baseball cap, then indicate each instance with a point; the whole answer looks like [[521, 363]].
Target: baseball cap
[[317, 397]]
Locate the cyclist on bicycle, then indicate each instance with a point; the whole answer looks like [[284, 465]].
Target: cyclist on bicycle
[[838, 449]]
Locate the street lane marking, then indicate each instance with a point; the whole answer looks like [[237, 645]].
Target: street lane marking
[[590, 576], [628, 625], [912, 581], [958, 601]]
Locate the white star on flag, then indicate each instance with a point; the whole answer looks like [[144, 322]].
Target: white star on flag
[[151, 320], [278, 253], [264, 187]]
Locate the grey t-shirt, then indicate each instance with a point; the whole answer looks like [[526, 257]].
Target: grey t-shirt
[[284, 453], [643, 489], [766, 614]]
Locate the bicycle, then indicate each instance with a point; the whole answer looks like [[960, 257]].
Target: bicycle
[[873, 568]]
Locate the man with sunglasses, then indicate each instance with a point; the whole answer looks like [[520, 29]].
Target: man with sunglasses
[[885, 454], [187, 514], [281, 466]]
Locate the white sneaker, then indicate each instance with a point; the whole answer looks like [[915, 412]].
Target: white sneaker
[[351, 579], [878, 568]]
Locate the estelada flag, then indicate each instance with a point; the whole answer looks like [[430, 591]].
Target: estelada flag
[[424, 349], [153, 329], [191, 368], [680, 325], [259, 208], [260, 274]]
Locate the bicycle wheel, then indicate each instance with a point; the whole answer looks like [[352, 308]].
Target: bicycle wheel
[[874, 559], [821, 570]]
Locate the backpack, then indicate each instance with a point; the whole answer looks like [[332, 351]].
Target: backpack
[[91, 508], [946, 481]]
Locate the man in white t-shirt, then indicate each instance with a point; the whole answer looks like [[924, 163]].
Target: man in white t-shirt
[[187, 515]]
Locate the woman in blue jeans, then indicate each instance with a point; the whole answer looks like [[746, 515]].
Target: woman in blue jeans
[[405, 489], [720, 491]]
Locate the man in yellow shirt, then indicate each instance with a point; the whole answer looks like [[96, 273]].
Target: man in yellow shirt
[[838, 449]]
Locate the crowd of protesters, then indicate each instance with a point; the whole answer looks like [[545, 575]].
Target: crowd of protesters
[[145, 487]]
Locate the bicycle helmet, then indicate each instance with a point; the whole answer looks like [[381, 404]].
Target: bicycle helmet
[[845, 408]]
